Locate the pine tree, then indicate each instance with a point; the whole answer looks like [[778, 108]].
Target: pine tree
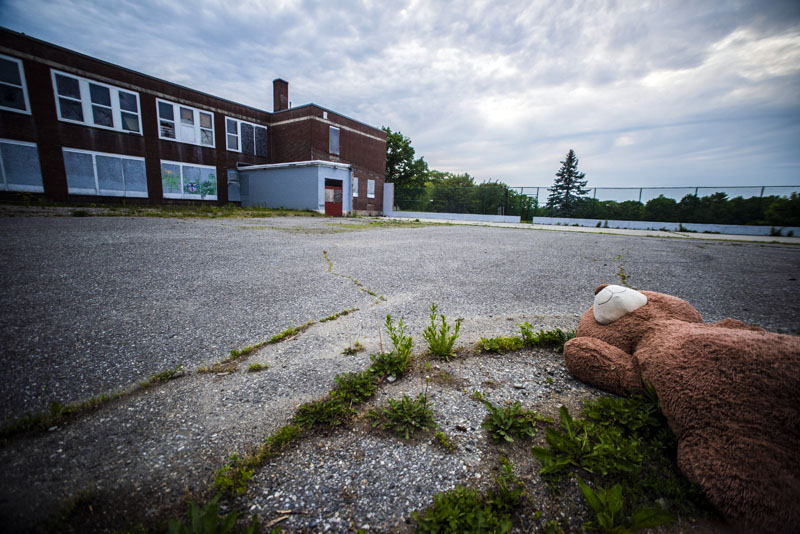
[[569, 187]]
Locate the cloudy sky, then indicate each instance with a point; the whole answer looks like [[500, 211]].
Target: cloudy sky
[[646, 92]]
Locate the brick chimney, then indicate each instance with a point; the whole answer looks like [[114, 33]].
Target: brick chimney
[[280, 94]]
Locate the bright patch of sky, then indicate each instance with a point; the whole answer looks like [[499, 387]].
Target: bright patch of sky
[[647, 93]]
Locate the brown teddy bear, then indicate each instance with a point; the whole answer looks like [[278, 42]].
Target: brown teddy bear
[[730, 392]]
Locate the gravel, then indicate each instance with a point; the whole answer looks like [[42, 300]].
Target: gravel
[[93, 305]]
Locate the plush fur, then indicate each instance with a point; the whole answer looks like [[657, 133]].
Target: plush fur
[[731, 394]]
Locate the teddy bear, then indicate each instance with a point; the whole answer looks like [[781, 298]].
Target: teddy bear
[[730, 393]]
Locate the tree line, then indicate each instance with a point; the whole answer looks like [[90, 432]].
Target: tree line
[[419, 188]]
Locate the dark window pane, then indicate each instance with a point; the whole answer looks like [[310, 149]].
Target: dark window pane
[[68, 86], [127, 102], [135, 177], [21, 164], [130, 122], [71, 110], [165, 111], [205, 120], [233, 142], [261, 142], [80, 171], [248, 139], [334, 140], [187, 116], [231, 126], [109, 173], [168, 129], [100, 95], [12, 97], [206, 137], [9, 72], [102, 116]]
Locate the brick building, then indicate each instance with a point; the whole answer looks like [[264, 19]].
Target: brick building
[[73, 127]]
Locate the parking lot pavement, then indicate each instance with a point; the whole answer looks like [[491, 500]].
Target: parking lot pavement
[[93, 305]]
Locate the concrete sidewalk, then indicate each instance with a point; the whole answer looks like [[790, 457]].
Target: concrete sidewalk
[[616, 231]]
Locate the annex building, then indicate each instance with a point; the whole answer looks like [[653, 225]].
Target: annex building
[[73, 127]]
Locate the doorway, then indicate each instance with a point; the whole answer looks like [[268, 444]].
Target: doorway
[[333, 197]]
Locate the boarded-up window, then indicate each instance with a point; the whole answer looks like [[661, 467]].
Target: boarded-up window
[[333, 140]]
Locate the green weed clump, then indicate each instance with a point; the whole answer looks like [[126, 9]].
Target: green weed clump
[[500, 344], [233, 477], [621, 441], [465, 510], [256, 367], [444, 442], [545, 338], [354, 388], [401, 342], [405, 416], [504, 424], [440, 340], [164, 376], [207, 520], [354, 349], [607, 505], [288, 332], [397, 362], [327, 412]]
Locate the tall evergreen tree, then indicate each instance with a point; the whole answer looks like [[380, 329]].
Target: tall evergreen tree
[[569, 187]]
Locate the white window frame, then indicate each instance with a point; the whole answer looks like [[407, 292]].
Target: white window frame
[[239, 136], [105, 192], [86, 103], [4, 186], [178, 126], [189, 196], [370, 188], [338, 140], [24, 86], [355, 187]]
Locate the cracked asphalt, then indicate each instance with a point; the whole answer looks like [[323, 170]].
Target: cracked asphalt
[[96, 305]]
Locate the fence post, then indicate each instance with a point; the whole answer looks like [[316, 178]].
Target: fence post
[[640, 195]]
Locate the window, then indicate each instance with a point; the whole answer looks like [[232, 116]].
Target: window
[[111, 175], [187, 180], [13, 91], [187, 125], [246, 137], [333, 140], [355, 186], [370, 188], [19, 167], [96, 104]]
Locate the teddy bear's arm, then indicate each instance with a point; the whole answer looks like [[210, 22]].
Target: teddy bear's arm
[[596, 362]]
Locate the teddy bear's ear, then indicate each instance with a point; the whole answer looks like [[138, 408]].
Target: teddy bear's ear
[[600, 288]]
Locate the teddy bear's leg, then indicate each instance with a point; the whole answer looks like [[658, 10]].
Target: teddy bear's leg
[[739, 325], [596, 362]]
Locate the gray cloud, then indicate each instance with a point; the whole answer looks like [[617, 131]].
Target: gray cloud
[[667, 92]]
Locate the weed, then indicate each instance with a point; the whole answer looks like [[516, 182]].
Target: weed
[[549, 380], [289, 332], [545, 338], [164, 376], [354, 388], [402, 343], [329, 412], [553, 527], [206, 520], [500, 344], [607, 507], [354, 349], [440, 341], [405, 416], [256, 367], [337, 315], [465, 510], [391, 364], [478, 396], [445, 442], [233, 477], [511, 421]]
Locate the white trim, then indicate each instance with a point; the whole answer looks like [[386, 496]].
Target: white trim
[[105, 192], [24, 86], [4, 185], [340, 126], [312, 163], [178, 126], [86, 103], [189, 196]]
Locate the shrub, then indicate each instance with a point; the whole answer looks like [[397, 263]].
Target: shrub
[[440, 341]]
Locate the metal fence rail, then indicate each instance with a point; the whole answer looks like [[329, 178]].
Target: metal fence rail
[[645, 194]]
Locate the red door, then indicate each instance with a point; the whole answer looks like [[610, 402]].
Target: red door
[[333, 200]]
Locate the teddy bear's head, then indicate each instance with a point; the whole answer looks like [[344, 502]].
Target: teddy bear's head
[[621, 316]]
